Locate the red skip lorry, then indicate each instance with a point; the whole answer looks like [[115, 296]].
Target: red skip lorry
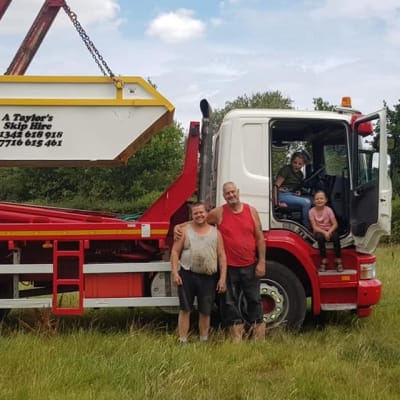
[[111, 262]]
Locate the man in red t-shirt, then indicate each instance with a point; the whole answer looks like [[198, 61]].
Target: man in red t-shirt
[[240, 226]]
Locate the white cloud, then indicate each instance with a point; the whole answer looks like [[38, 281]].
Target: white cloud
[[176, 27], [326, 64], [356, 9], [91, 12], [220, 69], [21, 14], [232, 2], [216, 22], [393, 32]]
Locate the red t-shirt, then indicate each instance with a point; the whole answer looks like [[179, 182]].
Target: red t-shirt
[[238, 233]]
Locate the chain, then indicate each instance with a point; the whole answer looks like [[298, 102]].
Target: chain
[[101, 63]]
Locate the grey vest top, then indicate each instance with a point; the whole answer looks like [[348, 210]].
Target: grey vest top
[[199, 252]]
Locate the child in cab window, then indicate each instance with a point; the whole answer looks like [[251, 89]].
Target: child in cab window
[[288, 187]]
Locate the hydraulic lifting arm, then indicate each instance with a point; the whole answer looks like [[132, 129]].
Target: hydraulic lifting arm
[[3, 6], [34, 37]]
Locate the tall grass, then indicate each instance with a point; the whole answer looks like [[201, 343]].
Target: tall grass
[[133, 354]]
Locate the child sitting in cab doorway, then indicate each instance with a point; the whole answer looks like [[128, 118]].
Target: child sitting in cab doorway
[[324, 226]]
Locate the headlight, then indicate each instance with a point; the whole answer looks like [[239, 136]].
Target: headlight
[[367, 271]]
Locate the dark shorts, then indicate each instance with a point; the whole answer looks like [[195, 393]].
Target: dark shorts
[[197, 285]]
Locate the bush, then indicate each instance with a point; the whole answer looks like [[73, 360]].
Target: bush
[[395, 235], [136, 206]]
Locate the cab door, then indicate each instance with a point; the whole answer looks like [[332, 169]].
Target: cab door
[[371, 191]]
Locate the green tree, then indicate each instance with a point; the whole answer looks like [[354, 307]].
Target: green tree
[[270, 99], [321, 105], [393, 119], [154, 167], [393, 124], [333, 157], [273, 99]]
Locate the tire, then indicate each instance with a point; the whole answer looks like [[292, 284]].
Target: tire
[[283, 298]]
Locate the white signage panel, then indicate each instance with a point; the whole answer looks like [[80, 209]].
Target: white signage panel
[[77, 120]]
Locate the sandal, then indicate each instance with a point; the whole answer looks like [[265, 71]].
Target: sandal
[[339, 265], [322, 266]]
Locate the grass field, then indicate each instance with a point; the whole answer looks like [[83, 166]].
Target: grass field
[[133, 354]]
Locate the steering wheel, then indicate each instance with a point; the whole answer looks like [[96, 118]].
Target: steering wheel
[[313, 175]]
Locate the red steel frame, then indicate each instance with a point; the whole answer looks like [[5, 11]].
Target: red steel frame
[[3, 6], [35, 35], [25, 222]]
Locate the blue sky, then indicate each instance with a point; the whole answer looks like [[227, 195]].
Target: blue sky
[[224, 49]]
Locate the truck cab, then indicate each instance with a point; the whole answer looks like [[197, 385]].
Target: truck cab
[[347, 158]]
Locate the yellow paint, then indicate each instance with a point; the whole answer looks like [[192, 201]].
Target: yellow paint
[[121, 80], [83, 102]]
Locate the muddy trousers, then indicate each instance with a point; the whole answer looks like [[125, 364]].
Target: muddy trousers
[[242, 280]]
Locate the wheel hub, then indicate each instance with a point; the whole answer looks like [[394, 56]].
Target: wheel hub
[[273, 302]]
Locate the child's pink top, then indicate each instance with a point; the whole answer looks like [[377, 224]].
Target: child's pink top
[[322, 218]]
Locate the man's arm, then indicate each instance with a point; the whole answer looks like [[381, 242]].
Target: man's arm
[[214, 216], [179, 229], [259, 236], [175, 255], [221, 285]]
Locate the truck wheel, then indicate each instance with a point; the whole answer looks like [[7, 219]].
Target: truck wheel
[[283, 298], [162, 286]]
